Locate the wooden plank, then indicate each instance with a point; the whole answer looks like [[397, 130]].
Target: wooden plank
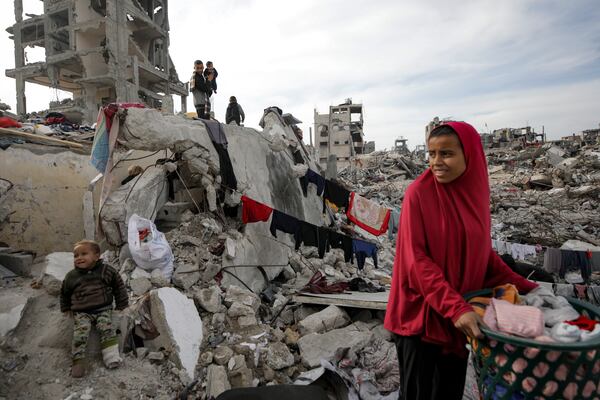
[[371, 301], [43, 139]]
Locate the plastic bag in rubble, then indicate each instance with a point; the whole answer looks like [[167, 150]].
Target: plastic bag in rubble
[[149, 247]]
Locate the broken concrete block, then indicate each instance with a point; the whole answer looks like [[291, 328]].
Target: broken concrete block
[[12, 308], [247, 320], [210, 270], [158, 279], [230, 248], [143, 196], [209, 299], [236, 294], [156, 356], [222, 355], [238, 309], [194, 195], [180, 327], [288, 273], [291, 337], [279, 356], [172, 212], [206, 358], [315, 347], [330, 318], [140, 285], [141, 352], [239, 373], [216, 381], [18, 262], [383, 333], [186, 276], [140, 273]]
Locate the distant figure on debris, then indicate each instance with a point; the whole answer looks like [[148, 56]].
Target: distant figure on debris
[[132, 171], [234, 113], [87, 295], [201, 88], [443, 251], [209, 69]]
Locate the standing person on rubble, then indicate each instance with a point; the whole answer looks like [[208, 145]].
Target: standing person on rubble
[[210, 68], [443, 251], [234, 113], [201, 89], [87, 295]]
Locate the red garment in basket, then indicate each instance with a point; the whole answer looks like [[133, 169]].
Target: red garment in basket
[[444, 251], [253, 211], [584, 323]]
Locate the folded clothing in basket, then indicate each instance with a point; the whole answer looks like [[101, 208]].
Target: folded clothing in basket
[[524, 321]]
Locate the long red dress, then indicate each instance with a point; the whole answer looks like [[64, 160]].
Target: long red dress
[[444, 251]]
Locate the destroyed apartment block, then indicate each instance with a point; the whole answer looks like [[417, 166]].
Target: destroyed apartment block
[[101, 51]]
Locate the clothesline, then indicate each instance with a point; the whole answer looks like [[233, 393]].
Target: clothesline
[[308, 234]]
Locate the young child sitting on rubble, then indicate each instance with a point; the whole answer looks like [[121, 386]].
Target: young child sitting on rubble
[[87, 294]]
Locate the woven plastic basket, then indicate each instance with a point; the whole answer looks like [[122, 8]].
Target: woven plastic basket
[[513, 368]]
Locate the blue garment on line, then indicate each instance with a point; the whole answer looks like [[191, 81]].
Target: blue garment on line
[[362, 250]]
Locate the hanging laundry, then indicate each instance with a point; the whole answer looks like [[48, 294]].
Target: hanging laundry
[[253, 211], [285, 223], [522, 251], [99, 156], [362, 250], [215, 131], [228, 178], [552, 260], [311, 235], [368, 215], [335, 194], [393, 223], [297, 154], [339, 241], [312, 177]]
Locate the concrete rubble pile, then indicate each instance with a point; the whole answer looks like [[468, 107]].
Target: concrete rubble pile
[[546, 195], [220, 322]]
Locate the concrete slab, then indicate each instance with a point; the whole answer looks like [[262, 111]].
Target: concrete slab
[[180, 327], [372, 301], [12, 308], [18, 262]]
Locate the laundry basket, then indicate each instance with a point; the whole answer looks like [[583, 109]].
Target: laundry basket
[[513, 368]]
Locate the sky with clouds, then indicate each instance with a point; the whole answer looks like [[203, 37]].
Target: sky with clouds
[[491, 63]]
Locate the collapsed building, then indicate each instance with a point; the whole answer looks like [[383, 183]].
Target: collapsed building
[[101, 51], [339, 134]]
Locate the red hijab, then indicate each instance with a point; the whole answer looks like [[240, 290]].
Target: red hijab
[[444, 250]]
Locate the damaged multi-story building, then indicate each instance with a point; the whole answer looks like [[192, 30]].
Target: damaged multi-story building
[[340, 133], [101, 51]]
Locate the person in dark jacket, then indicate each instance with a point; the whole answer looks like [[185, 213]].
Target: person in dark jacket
[[87, 293], [235, 113], [210, 68], [201, 88]]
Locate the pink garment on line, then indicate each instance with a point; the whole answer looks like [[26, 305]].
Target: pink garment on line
[[524, 321]]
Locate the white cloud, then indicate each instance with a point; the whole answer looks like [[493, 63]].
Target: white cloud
[[504, 63]]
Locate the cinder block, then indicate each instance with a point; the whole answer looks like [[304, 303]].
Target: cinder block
[[18, 262]]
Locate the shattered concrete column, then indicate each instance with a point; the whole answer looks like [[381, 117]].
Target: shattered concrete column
[[18, 10], [19, 59], [117, 45]]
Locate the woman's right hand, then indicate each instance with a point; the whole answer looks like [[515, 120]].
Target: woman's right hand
[[469, 323]]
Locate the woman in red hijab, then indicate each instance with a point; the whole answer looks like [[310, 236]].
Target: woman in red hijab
[[443, 252]]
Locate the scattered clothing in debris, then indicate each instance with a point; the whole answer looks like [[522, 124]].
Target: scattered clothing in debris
[[361, 285], [367, 214], [7, 122], [253, 211], [318, 284]]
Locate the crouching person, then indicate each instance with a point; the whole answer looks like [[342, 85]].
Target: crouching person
[[87, 294]]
